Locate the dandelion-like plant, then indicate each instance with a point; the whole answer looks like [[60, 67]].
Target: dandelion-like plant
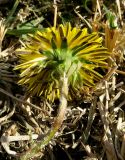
[[58, 60], [56, 51]]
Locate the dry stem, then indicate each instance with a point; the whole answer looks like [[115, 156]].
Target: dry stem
[[36, 147]]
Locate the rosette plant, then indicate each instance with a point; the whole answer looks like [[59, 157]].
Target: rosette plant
[[56, 62]]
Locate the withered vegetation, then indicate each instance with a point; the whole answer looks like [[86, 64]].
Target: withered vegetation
[[94, 122]]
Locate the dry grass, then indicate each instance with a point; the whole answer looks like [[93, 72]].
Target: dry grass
[[94, 125]]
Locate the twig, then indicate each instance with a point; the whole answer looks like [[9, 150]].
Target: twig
[[119, 106], [119, 11], [18, 138], [119, 123], [107, 139], [88, 150], [107, 98], [123, 147], [110, 73], [107, 76], [55, 13], [98, 7], [20, 100], [83, 19], [113, 83], [91, 117], [7, 116], [112, 101], [5, 140]]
